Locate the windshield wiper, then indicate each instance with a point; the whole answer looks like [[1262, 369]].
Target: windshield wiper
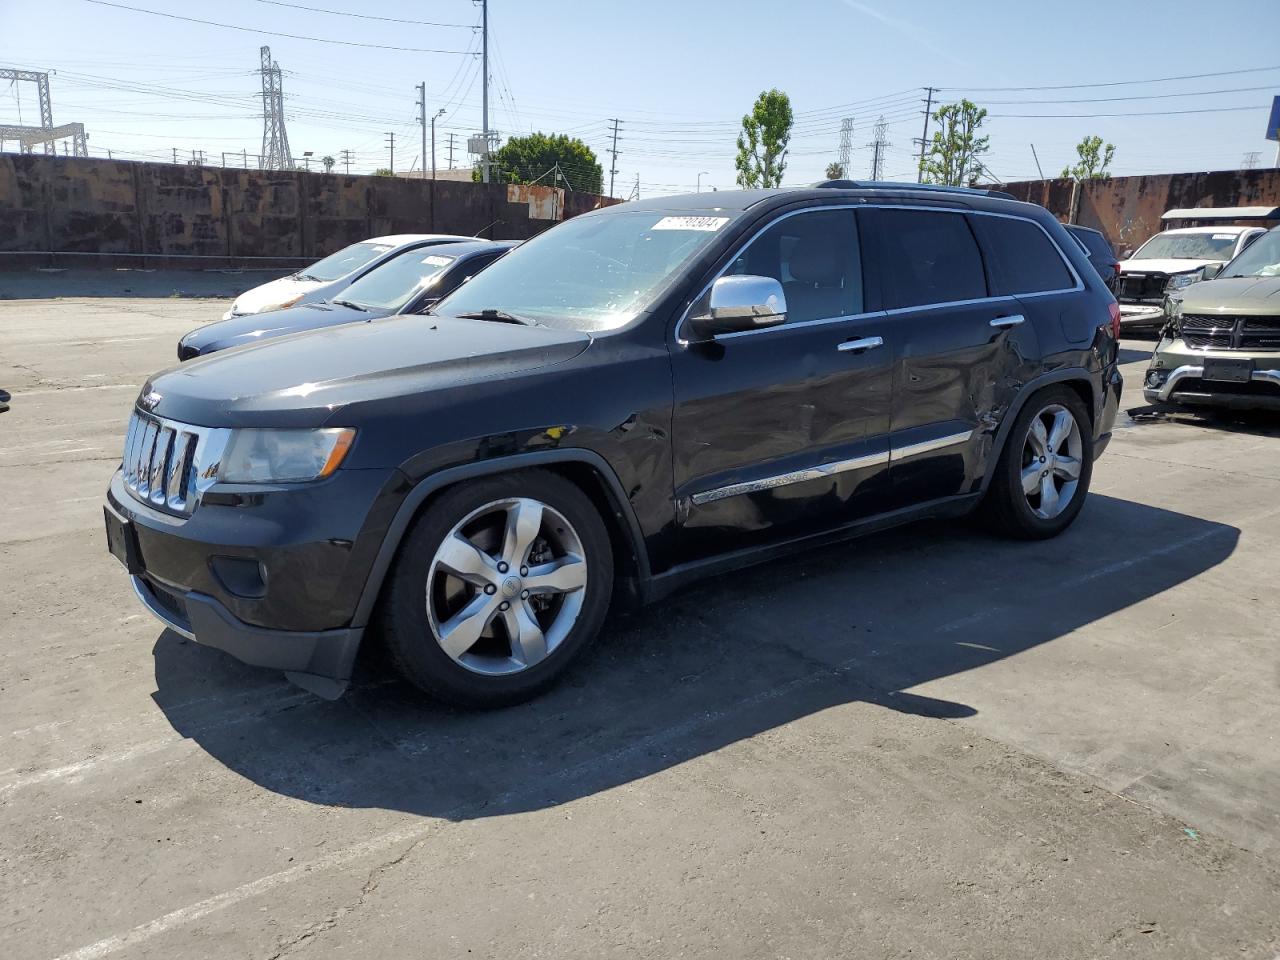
[[500, 316], [348, 303]]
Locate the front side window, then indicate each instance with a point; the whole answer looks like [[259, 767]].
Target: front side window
[[1020, 257], [1260, 259], [345, 261], [593, 273], [815, 256], [928, 257], [391, 285], [1188, 246]]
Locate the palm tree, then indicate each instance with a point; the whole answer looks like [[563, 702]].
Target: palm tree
[[835, 171], [328, 164]]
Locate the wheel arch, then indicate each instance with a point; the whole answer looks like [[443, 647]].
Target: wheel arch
[[1074, 378], [588, 470]]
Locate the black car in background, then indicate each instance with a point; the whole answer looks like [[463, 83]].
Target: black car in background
[[1099, 250], [409, 282], [643, 395]]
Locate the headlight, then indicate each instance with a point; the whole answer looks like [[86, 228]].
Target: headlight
[[284, 456], [1180, 280]]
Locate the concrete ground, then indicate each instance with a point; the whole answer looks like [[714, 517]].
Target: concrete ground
[[929, 743]]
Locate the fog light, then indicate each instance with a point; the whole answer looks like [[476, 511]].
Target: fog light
[[1156, 378]]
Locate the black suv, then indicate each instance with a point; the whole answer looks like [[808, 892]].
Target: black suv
[[643, 395]]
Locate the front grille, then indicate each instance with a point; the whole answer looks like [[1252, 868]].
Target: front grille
[[166, 463], [1141, 288], [1230, 333]]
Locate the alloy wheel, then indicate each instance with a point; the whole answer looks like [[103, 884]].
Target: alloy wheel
[[506, 586], [1051, 459]]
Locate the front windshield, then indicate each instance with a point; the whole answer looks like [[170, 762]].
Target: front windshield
[[595, 272], [1188, 246], [1260, 259], [345, 261], [391, 285]]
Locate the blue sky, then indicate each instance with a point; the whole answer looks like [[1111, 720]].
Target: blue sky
[[678, 74]]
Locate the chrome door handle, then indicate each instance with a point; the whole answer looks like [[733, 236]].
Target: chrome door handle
[[1012, 321], [858, 346]]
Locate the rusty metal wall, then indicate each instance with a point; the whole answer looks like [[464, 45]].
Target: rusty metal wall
[[68, 204], [1128, 209]]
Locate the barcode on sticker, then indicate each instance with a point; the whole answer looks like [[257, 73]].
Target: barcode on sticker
[[706, 224], [1224, 236]]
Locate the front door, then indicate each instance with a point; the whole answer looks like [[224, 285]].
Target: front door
[[783, 431]]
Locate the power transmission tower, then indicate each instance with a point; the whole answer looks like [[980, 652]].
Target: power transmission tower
[[1250, 160], [613, 167], [275, 141], [846, 145], [391, 142], [924, 135], [878, 147], [451, 136], [635, 191], [46, 134]]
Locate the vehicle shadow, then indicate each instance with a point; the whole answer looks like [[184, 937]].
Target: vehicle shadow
[[715, 664], [1129, 355], [1256, 423]]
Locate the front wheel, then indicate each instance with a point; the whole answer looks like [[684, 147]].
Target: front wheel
[[1044, 470], [498, 586]]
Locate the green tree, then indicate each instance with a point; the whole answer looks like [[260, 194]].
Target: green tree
[[762, 145], [383, 172], [835, 171], [328, 164], [1095, 156], [955, 150], [530, 159]]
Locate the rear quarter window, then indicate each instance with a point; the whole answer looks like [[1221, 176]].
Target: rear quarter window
[[1020, 257]]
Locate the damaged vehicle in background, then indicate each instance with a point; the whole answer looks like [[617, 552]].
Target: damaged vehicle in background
[[327, 278], [1176, 258], [1221, 345], [412, 281]]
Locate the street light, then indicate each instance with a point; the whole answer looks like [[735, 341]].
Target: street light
[[704, 173], [306, 159], [439, 114]]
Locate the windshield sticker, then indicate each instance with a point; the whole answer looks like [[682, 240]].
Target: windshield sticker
[[435, 260], [380, 247], [704, 224], [1224, 236]]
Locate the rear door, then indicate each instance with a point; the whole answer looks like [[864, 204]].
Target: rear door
[[783, 431], [962, 351]]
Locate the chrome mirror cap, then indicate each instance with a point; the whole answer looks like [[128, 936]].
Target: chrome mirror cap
[[738, 303]]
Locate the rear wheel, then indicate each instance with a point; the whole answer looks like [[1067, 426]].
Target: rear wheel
[[1044, 470], [498, 586]]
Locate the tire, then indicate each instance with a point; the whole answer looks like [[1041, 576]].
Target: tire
[[462, 560], [1038, 514]]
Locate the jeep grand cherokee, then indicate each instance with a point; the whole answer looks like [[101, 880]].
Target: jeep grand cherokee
[[642, 395]]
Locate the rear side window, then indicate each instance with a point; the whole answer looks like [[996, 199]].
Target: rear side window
[[1098, 246], [928, 257], [1020, 257]]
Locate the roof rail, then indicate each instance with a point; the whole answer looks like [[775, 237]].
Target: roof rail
[[890, 185]]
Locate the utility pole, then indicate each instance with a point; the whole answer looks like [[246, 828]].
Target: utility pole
[[422, 121], [346, 159], [439, 113], [451, 136], [484, 119], [924, 135], [391, 142], [1037, 160], [878, 145], [613, 166], [175, 154]]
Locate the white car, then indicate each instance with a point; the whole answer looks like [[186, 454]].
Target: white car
[[1169, 261], [324, 279]]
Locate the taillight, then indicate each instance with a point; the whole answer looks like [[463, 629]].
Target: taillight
[[1114, 309]]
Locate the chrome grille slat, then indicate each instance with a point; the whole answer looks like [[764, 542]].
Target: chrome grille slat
[[168, 464]]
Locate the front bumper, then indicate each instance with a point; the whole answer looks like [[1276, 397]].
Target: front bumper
[[274, 579], [1215, 393], [1141, 315]]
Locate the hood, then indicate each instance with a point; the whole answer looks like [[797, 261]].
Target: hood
[[303, 379], [268, 295], [255, 327], [1163, 266], [1233, 295]]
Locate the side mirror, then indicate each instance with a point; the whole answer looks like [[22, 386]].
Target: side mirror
[[1211, 270], [736, 304]]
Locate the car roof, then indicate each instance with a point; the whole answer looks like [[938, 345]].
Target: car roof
[[402, 239], [1221, 229]]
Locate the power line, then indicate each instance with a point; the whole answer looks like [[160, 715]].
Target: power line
[[1117, 83], [1148, 113], [271, 33], [1143, 96], [365, 16]]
